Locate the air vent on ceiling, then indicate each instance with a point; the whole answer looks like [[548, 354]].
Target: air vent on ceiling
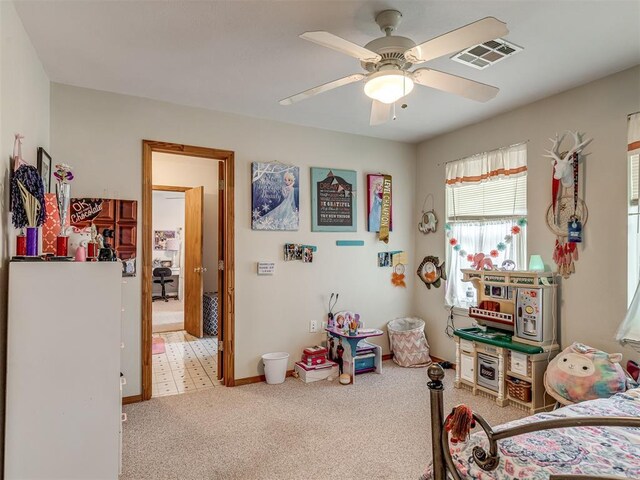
[[488, 53]]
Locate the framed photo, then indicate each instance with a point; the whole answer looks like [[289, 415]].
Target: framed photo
[[44, 168], [333, 203], [275, 198], [374, 203], [160, 238]]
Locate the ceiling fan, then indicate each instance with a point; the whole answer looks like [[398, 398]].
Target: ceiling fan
[[388, 59]]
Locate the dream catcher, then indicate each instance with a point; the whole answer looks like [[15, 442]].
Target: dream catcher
[[567, 214]]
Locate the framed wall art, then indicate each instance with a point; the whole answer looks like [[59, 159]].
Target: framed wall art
[[333, 203], [275, 198], [44, 168]]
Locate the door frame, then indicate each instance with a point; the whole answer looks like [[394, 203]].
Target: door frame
[[225, 222]]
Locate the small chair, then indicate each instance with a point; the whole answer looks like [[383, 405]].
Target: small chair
[[162, 273]]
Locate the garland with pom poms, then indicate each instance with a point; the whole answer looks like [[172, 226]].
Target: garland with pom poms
[[495, 252]]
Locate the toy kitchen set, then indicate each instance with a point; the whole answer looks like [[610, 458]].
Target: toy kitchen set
[[506, 355]]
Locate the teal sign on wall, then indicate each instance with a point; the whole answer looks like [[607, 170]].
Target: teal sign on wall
[[333, 200]]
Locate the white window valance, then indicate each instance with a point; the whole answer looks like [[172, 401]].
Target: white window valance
[[507, 161], [634, 132]]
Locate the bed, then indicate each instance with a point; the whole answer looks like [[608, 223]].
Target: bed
[[594, 439]]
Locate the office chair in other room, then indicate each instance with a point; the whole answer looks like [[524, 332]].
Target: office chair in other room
[[162, 273]]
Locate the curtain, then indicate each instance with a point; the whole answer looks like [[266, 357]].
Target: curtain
[[485, 166], [480, 236], [629, 330]]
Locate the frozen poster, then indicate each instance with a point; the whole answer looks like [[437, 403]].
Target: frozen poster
[[274, 196]]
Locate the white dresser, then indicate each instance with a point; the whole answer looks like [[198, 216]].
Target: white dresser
[[63, 404]]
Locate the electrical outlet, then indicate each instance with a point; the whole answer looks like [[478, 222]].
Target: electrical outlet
[[313, 326]]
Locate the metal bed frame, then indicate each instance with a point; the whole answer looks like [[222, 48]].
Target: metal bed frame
[[443, 464]]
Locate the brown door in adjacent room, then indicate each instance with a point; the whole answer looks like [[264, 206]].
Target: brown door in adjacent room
[[221, 266], [193, 269]]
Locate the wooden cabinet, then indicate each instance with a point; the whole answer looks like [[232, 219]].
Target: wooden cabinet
[[63, 396]]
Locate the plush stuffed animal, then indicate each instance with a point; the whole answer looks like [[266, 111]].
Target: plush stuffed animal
[[581, 373]]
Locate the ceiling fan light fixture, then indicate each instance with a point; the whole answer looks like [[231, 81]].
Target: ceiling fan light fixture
[[388, 86]]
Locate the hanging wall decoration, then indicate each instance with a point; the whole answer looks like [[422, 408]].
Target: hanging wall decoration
[[428, 221], [379, 205], [333, 205], [430, 272], [275, 196], [399, 260], [567, 215]]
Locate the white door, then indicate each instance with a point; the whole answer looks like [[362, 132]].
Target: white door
[[466, 368]]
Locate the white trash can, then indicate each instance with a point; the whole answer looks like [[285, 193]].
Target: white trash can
[[275, 367]]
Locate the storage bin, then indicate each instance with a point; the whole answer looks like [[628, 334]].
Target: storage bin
[[210, 313], [408, 342], [519, 389]]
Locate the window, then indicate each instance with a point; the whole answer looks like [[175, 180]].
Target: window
[[629, 331], [486, 198], [633, 206]]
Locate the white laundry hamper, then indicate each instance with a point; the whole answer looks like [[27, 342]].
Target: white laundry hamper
[[275, 367], [408, 342]]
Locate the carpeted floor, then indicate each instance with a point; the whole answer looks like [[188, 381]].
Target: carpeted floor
[[167, 316], [376, 429]]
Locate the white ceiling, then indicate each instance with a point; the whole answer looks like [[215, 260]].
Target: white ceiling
[[243, 56]]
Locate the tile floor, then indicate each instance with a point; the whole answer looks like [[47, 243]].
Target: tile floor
[[188, 364]]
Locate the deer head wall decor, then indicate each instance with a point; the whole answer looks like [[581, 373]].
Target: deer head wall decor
[[563, 164]]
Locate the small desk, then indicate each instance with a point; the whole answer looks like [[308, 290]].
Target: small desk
[[172, 289], [351, 345]]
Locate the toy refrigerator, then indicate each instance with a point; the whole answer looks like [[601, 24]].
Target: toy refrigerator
[[534, 316]]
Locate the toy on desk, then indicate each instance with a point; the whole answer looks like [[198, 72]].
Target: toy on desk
[[353, 325], [330, 321], [344, 319]]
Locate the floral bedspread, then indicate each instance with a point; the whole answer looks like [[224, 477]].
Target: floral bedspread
[[596, 451]]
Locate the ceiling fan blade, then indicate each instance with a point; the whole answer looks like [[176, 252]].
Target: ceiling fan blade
[[322, 88], [341, 45], [488, 28], [454, 84], [380, 113]]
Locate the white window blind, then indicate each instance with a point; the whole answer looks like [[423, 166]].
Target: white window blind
[[497, 198], [633, 178]]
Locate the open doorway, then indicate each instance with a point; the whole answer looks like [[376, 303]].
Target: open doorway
[[168, 260], [187, 331]]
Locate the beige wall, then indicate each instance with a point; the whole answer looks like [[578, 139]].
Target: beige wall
[[183, 171], [593, 300], [24, 108], [101, 133]]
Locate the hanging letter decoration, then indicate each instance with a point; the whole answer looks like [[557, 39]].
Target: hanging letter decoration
[[385, 211]]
